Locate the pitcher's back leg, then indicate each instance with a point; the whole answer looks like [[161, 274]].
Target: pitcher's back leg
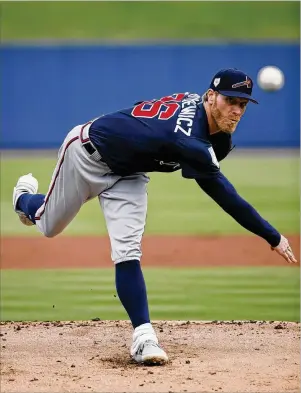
[[67, 192]]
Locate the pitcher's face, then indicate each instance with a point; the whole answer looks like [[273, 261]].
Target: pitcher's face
[[227, 111]]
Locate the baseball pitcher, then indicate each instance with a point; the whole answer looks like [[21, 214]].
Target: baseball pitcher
[[109, 158]]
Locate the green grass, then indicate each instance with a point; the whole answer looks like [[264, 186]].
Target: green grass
[[196, 294], [122, 21], [177, 205]]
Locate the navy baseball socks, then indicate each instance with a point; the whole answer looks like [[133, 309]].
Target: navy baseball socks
[[26, 201], [131, 290], [29, 204]]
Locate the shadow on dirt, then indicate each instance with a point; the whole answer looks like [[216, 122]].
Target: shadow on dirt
[[124, 362]]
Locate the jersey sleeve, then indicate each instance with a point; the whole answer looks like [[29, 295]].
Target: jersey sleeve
[[197, 159], [224, 194]]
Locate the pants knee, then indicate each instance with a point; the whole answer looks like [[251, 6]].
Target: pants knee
[[50, 234], [48, 230]]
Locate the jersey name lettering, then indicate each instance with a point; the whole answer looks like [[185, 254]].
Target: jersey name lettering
[[187, 114]]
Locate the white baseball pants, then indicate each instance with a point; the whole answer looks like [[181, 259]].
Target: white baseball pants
[[78, 178]]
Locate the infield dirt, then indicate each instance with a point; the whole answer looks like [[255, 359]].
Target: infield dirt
[[93, 356], [204, 357], [159, 251]]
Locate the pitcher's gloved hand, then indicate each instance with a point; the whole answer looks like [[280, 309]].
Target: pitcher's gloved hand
[[222, 144], [285, 250]]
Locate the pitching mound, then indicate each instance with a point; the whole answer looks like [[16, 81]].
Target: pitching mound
[[204, 357]]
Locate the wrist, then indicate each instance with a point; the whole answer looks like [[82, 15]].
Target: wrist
[[274, 240]]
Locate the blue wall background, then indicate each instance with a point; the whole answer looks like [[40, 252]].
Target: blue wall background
[[46, 91]]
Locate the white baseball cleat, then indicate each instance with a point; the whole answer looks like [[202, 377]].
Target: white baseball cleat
[[150, 353], [145, 348], [26, 184]]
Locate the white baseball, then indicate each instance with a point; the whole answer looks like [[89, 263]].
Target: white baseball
[[270, 78]]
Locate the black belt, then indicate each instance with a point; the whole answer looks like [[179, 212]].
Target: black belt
[[89, 148]]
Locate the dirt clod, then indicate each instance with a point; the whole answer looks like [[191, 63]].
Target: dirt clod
[[279, 326]]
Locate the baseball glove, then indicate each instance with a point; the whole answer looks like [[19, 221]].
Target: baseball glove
[[222, 144]]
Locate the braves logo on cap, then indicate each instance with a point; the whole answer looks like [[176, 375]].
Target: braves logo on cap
[[247, 83], [216, 81]]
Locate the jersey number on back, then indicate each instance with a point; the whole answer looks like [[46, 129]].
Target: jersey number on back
[[163, 109]]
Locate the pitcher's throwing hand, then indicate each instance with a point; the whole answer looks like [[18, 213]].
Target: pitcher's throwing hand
[[284, 249]]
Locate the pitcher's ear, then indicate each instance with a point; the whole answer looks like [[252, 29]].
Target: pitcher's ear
[[210, 95]]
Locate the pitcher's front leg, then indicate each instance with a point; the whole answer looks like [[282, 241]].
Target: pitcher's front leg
[[124, 206]]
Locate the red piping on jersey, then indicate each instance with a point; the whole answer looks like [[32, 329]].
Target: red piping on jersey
[[56, 176], [81, 132]]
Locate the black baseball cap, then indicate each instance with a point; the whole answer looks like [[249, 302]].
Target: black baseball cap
[[232, 82]]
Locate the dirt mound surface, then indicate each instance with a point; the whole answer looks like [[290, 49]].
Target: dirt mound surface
[[253, 356]]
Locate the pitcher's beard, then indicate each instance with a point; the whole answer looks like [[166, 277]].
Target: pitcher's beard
[[223, 123]]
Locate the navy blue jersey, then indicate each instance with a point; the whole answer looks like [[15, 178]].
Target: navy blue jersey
[[171, 129]]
